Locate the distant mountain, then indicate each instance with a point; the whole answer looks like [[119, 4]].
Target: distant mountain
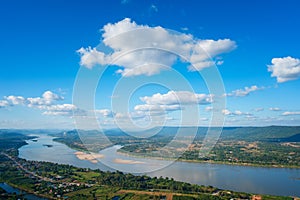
[[268, 133], [260, 133], [12, 139]]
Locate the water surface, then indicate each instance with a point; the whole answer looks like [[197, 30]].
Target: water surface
[[260, 180], [12, 190]]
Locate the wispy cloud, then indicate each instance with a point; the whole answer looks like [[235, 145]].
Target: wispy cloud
[[259, 109], [275, 109], [125, 1], [245, 91], [235, 113], [153, 8], [63, 110], [291, 113]]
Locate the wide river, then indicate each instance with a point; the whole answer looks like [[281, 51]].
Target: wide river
[[260, 180]]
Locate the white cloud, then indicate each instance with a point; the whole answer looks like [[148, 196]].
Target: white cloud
[[235, 113], [285, 69], [46, 103], [226, 112], [3, 103], [156, 108], [177, 97], [275, 109], [244, 92], [161, 104], [153, 8], [151, 45], [144, 69], [291, 113], [15, 100], [259, 109], [63, 109], [208, 108], [105, 112], [48, 98], [91, 57]]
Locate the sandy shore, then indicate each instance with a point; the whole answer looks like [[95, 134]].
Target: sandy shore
[[121, 161], [92, 157]]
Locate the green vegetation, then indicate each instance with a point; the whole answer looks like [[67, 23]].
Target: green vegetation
[[12, 139], [276, 146], [56, 181]]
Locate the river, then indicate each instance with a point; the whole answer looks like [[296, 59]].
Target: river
[[12, 190], [259, 180]]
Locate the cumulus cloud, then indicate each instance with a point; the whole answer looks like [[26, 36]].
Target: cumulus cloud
[[47, 99], [91, 57], [47, 103], [50, 96], [285, 69], [144, 45], [161, 104], [244, 92], [177, 97], [3, 103], [291, 113], [275, 109], [15, 100]]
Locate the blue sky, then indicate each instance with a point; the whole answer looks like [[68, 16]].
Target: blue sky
[[254, 44]]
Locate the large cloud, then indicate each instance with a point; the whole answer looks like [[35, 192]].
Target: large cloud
[[151, 47], [160, 104], [285, 69]]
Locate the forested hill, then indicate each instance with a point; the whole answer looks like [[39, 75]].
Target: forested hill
[[267, 133], [12, 139], [260, 133]]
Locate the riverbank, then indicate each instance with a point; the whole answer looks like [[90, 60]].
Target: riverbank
[[231, 177], [26, 191], [185, 160], [208, 161], [92, 157]]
